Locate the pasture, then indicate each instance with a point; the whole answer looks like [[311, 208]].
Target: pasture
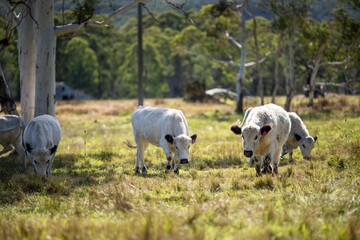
[[94, 194]]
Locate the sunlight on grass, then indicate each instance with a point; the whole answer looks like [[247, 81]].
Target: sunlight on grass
[[94, 193]]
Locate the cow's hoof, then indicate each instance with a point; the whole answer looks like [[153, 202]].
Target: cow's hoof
[[137, 171], [176, 171], [144, 170]]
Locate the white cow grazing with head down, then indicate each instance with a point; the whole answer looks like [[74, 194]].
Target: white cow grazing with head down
[[41, 140], [299, 136], [163, 127], [10, 134], [264, 130]]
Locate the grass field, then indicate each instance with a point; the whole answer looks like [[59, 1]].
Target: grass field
[[94, 194]]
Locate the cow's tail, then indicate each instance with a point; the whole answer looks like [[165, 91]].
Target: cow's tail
[[128, 143]]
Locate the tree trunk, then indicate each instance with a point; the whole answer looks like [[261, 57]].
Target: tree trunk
[[27, 62], [8, 105], [140, 58], [45, 59], [314, 74], [240, 76], [176, 85], [290, 82], [276, 70], [258, 68]]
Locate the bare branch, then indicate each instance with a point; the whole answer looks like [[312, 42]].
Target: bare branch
[[249, 64], [64, 29], [180, 7], [233, 40]]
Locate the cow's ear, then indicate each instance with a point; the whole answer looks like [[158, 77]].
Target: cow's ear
[[265, 130], [169, 138], [193, 138], [297, 136], [315, 138], [53, 149], [235, 129], [28, 148]]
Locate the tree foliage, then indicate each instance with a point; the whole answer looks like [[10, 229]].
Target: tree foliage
[[102, 61]]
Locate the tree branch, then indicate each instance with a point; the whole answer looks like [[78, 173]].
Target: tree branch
[[72, 27], [248, 64], [233, 40], [180, 7]]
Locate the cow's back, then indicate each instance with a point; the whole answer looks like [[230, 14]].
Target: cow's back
[[43, 132], [152, 123]]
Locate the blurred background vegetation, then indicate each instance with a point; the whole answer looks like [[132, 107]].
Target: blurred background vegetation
[[103, 62]]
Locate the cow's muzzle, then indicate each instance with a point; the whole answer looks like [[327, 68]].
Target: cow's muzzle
[[184, 161], [248, 153]]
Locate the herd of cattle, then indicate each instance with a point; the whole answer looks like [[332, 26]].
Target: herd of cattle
[[268, 133]]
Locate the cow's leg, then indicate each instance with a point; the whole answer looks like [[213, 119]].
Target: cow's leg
[[169, 156], [140, 150], [6, 149], [290, 154], [258, 164], [176, 163], [276, 160], [266, 169]]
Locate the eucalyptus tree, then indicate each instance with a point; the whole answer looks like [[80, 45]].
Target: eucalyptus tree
[[37, 34], [289, 16]]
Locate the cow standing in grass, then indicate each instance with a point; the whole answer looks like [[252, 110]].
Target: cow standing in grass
[[41, 140], [264, 130], [163, 127], [299, 137]]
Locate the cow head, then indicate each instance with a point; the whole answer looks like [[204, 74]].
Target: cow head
[[181, 144], [252, 134], [306, 145], [41, 159]]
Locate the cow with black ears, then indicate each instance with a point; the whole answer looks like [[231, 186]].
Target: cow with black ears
[[264, 130], [163, 127]]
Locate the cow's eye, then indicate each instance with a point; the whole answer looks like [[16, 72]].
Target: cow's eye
[[256, 137], [303, 145], [35, 162]]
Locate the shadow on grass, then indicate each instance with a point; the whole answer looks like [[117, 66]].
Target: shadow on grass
[[18, 182]]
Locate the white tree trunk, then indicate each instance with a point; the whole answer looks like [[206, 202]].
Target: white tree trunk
[[290, 82], [27, 63], [314, 74], [241, 73], [45, 59]]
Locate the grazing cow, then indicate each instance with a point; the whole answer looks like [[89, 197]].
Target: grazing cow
[[163, 127], [41, 140], [264, 130], [10, 134], [299, 136]]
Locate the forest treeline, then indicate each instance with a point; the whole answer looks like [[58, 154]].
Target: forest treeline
[[103, 61]]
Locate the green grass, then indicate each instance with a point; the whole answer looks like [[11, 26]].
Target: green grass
[[94, 194]]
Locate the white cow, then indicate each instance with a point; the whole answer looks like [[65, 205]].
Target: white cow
[[264, 130], [11, 134], [41, 140], [163, 127], [299, 136]]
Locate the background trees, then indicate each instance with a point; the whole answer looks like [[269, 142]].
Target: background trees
[[102, 61]]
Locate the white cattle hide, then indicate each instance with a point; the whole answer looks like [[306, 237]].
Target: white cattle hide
[[41, 140], [299, 136], [264, 130], [163, 127]]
